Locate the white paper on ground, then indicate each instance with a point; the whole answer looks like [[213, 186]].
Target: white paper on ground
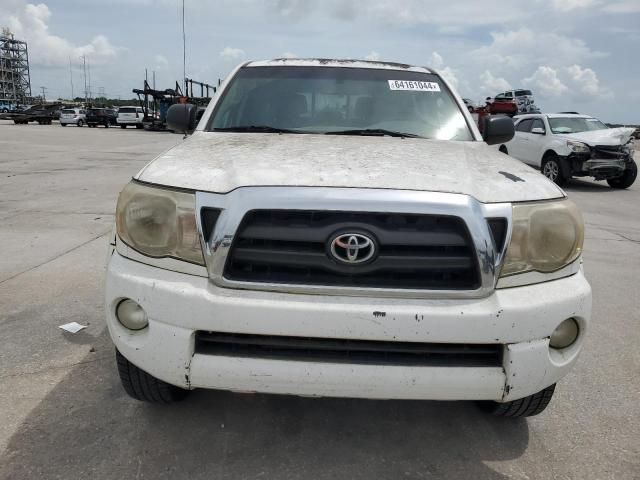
[[72, 327]]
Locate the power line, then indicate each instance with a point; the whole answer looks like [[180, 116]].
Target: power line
[[71, 77]]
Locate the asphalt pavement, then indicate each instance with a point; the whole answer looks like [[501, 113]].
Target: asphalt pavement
[[63, 413]]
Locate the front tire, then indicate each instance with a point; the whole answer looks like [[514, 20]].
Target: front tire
[[139, 126], [144, 387], [123, 126], [552, 169], [80, 123], [523, 407], [626, 179]]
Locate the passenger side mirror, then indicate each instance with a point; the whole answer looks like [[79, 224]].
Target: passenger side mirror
[[181, 118], [538, 131], [497, 130]]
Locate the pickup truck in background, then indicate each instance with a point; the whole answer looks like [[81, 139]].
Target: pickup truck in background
[[341, 228]]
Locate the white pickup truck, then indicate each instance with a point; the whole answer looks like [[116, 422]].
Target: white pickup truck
[[341, 228]]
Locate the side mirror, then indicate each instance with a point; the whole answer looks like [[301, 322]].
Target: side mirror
[[538, 131], [181, 118], [498, 130]]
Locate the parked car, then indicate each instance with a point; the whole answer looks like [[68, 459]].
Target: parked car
[[523, 100], [73, 116], [101, 116], [130, 116], [572, 145], [6, 107], [469, 104], [341, 228]]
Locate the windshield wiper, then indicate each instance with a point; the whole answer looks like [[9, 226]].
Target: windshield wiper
[[258, 129], [375, 132]]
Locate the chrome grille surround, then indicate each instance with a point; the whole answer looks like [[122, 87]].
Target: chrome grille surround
[[234, 205]]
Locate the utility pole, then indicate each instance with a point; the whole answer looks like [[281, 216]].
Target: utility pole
[[89, 71], [71, 77], [84, 68], [154, 79], [184, 53], [44, 98]]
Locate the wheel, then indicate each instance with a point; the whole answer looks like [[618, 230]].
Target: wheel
[[139, 126], [106, 124], [123, 126], [63, 124], [80, 123], [626, 179], [523, 407], [503, 149], [144, 387], [4, 110], [552, 170]]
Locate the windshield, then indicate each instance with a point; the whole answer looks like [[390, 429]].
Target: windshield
[[68, 111], [127, 110], [354, 101], [575, 124]]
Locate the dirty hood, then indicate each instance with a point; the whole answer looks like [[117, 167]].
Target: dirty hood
[[221, 162], [610, 136]]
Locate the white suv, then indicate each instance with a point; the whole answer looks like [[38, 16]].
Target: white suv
[[130, 116], [73, 116], [341, 228], [571, 145]]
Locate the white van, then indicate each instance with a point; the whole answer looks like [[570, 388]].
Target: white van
[[130, 116]]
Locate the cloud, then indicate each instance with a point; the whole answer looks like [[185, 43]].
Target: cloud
[[373, 56], [491, 85], [624, 6], [545, 82], [31, 23], [568, 5], [437, 62], [230, 53], [289, 55], [161, 62], [524, 48]]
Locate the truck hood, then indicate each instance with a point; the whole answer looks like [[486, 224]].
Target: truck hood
[[610, 136], [221, 162]]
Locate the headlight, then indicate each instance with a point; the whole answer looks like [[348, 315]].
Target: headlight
[[545, 237], [158, 222], [578, 147]]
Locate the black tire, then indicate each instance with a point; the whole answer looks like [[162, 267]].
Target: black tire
[[106, 124], [123, 126], [144, 387], [552, 169], [139, 126], [80, 123], [523, 407], [503, 149], [626, 179], [63, 124]]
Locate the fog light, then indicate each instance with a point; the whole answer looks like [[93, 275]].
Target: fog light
[[565, 334], [131, 315]]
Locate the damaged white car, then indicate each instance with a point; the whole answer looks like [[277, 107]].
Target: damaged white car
[[573, 145], [341, 228]]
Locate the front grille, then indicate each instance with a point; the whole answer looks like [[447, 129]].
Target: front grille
[[332, 350], [414, 251]]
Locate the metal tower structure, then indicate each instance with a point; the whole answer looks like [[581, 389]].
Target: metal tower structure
[[15, 82]]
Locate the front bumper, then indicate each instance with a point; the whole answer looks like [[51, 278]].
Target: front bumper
[[520, 319]]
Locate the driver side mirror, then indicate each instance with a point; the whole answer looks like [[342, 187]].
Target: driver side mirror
[[498, 130], [538, 131], [181, 118]]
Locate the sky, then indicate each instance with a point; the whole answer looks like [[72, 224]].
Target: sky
[[578, 55]]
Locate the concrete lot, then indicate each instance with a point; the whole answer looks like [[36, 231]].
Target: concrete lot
[[64, 415]]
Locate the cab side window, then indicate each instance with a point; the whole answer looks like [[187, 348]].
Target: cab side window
[[538, 123], [525, 125]]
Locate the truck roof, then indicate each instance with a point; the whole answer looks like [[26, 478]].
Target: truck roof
[[553, 115], [335, 62]]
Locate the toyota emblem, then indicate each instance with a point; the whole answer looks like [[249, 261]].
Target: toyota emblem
[[352, 248]]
